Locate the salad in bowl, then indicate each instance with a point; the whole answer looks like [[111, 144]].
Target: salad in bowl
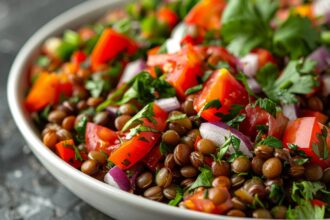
[[214, 106]]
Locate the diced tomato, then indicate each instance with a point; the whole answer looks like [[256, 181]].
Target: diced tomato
[[264, 57], [198, 202], [257, 116], [188, 39], [110, 44], [133, 150], [224, 87], [322, 118], [168, 16], [303, 132], [66, 152], [185, 72], [206, 14], [77, 58], [305, 10], [223, 55], [152, 158], [47, 90], [100, 138], [153, 50]]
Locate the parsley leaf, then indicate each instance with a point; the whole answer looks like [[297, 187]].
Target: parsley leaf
[[224, 148], [175, 117], [276, 193], [178, 197], [215, 103], [296, 37], [81, 128], [140, 129], [271, 142], [321, 147], [245, 25], [147, 112], [297, 78], [305, 210], [145, 89], [205, 178], [95, 87], [306, 190], [268, 105], [164, 148], [235, 122], [194, 89]]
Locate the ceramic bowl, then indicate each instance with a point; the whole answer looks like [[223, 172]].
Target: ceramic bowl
[[109, 200]]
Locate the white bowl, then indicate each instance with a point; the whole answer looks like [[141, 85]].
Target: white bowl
[[110, 200]]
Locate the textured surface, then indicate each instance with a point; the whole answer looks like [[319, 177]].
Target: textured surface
[[27, 190]]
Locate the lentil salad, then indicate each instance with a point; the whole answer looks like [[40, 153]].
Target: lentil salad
[[177, 102]]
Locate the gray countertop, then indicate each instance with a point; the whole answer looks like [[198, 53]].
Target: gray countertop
[[27, 189]]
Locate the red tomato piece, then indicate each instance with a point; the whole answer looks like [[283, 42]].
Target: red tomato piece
[[257, 116], [264, 57], [223, 54], [110, 44], [168, 16], [322, 118], [303, 133], [317, 202], [224, 87], [66, 152], [152, 158], [78, 57], [133, 150], [206, 14], [100, 138]]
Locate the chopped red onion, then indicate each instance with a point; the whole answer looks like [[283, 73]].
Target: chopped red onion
[[168, 104], [290, 111], [217, 131], [112, 110], [321, 7], [131, 70], [250, 64], [322, 57], [254, 85], [117, 178], [173, 44]]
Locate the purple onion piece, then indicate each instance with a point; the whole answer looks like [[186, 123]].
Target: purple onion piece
[[290, 111], [131, 70], [250, 64], [168, 104], [217, 131], [325, 80], [254, 85], [118, 178], [112, 110], [322, 58]]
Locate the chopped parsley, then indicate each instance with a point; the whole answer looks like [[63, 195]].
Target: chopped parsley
[[321, 147], [268, 105], [147, 112], [139, 129], [194, 89], [81, 129], [176, 117], [204, 179], [215, 103], [271, 142], [178, 197]]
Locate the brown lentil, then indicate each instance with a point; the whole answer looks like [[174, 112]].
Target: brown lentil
[[188, 107], [50, 139], [63, 134], [171, 137], [261, 213], [282, 154], [297, 170], [236, 213], [56, 116], [185, 122], [94, 101], [206, 146], [181, 130], [221, 168], [264, 151], [154, 193], [237, 180], [279, 212], [241, 164], [237, 204], [187, 182], [89, 167], [169, 161], [188, 141], [222, 181], [127, 109], [188, 171], [82, 105], [326, 175], [196, 159], [244, 196], [121, 120], [68, 122], [69, 107], [102, 118], [97, 156], [313, 172], [315, 104], [272, 168], [170, 192], [218, 195], [256, 165], [144, 180], [182, 154], [164, 177]]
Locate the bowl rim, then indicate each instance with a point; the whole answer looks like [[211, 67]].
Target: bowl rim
[[14, 97]]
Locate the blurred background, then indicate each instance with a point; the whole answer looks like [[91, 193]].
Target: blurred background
[[27, 190]]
